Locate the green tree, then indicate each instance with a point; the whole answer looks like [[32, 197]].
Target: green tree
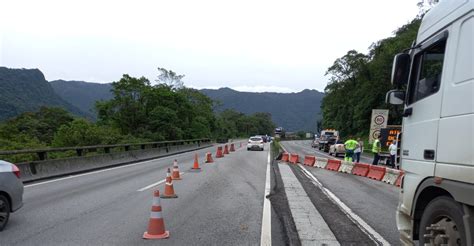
[[170, 78], [81, 132], [358, 83]]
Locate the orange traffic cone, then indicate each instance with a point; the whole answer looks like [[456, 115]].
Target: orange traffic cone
[[176, 175], [219, 152], [169, 190], [209, 158], [196, 164], [156, 224], [226, 150], [232, 148]]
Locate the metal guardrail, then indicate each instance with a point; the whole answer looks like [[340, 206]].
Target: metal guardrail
[[81, 150]]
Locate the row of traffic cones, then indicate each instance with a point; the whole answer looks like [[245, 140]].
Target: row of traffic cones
[[156, 224]]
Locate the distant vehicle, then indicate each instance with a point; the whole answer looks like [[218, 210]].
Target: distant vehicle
[[330, 132], [330, 141], [280, 132], [315, 143], [255, 143], [11, 191], [434, 80], [337, 149], [326, 134]]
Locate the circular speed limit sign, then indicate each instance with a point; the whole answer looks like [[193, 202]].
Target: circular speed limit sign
[[375, 134], [379, 119]]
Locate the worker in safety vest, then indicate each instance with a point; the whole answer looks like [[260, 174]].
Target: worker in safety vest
[[376, 149], [350, 146]]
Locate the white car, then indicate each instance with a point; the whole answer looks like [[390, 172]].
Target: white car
[[337, 149], [255, 143]]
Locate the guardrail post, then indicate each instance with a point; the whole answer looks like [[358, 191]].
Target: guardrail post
[[107, 150], [127, 147], [142, 146], [199, 143], [42, 155], [79, 152], [167, 149]]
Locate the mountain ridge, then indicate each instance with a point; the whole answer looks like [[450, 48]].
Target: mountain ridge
[[26, 90]]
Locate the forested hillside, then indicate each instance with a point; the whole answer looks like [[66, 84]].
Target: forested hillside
[[293, 111], [26, 90], [358, 83], [136, 112], [82, 94]]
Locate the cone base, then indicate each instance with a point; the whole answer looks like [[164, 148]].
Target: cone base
[[195, 170], [168, 196], [209, 161], [161, 236], [176, 178]]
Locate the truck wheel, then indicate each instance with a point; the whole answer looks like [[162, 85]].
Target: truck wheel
[[4, 211], [442, 223]]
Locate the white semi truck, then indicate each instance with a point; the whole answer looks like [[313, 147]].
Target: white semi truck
[[435, 83]]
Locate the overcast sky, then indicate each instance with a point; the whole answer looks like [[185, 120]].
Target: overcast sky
[[247, 45]]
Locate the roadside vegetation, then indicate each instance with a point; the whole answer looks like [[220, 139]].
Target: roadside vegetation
[[139, 112], [358, 83]]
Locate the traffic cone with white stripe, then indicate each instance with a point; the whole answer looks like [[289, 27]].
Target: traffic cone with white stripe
[[176, 175], [169, 190], [156, 224]]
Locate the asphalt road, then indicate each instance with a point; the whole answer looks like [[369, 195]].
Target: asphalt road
[[374, 201], [221, 205]]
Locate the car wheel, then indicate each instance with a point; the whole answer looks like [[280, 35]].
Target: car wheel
[[4, 211], [442, 223], [248, 149]]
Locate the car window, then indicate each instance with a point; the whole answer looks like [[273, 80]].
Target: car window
[[255, 139]]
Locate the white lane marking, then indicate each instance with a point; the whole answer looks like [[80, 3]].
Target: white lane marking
[[155, 184], [366, 228], [266, 234], [108, 169]]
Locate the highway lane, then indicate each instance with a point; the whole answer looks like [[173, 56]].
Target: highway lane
[[375, 202], [221, 205]]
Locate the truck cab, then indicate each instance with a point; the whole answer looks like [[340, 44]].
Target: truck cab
[[434, 82]]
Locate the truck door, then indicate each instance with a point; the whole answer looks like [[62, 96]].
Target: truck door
[[423, 107]]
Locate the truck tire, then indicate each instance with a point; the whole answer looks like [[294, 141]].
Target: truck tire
[[442, 223], [4, 211]]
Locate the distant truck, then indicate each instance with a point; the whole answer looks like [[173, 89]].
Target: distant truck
[[436, 203], [327, 137]]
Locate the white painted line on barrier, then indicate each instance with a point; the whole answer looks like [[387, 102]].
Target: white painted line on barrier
[[266, 234], [110, 169], [366, 228]]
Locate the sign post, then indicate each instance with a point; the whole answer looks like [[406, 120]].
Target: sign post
[[378, 121]]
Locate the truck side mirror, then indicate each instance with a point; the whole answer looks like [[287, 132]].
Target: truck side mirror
[[395, 97], [400, 69]]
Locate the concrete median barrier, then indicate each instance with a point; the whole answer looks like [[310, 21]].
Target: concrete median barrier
[[361, 169], [321, 162], [346, 167], [333, 165], [37, 170], [390, 176], [294, 158], [376, 172], [309, 160], [398, 182]]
